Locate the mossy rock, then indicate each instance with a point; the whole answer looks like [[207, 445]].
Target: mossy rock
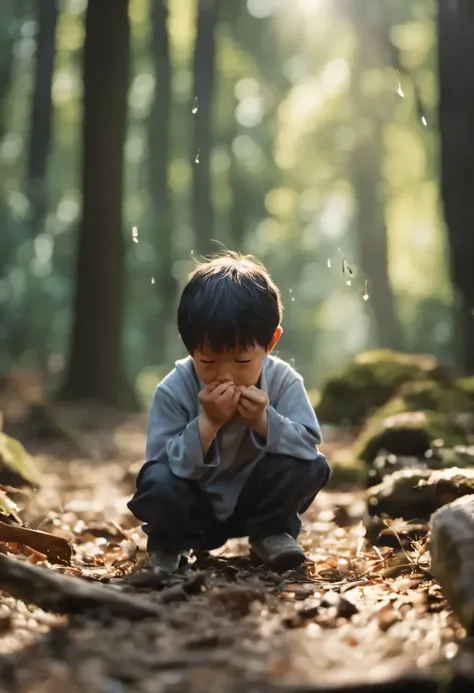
[[371, 380], [467, 386], [431, 395], [414, 494], [16, 466], [461, 456], [407, 434], [346, 471]]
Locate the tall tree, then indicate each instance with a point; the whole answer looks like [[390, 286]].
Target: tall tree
[[12, 16], [41, 111], [204, 82], [95, 366], [456, 124], [367, 173], [160, 193]]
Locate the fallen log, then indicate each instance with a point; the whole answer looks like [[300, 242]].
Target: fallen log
[[452, 556], [61, 594]]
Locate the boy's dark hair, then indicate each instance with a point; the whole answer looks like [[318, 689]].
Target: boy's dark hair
[[229, 301]]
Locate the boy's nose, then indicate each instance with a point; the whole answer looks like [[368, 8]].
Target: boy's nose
[[225, 377]]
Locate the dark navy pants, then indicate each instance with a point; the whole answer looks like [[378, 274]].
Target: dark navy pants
[[177, 515]]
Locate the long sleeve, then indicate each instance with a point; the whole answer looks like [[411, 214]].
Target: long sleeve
[[174, 440], [293, 428]]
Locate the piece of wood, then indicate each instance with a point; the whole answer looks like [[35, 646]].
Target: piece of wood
[[58, 593], [57, 549], [452, 556]]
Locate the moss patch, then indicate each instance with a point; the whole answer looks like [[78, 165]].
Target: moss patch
[[371, 380], [16, 466], [404, 433]]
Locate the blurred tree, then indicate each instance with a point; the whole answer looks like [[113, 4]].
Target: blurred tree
[[456, 123], [12, 16], [159, 187], [95, 365], [366, 170], [204, 81], [41, 112]]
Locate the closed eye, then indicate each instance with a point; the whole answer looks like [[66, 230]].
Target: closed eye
[[206, 362], [242, 361]]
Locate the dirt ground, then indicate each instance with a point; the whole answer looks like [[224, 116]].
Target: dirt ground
[[353, 618]]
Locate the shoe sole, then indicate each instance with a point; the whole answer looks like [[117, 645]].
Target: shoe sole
[[281, 564]]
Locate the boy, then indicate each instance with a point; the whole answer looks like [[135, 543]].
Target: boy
[[231, 446]]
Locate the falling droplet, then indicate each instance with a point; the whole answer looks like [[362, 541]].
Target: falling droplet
[[135, 234], [196, 105], [346, 268], [293, 299], [290, 291], [366, 294], [424, 121], [197, 157], [348, 282], [329, 262], [400, 91], [153, 280]]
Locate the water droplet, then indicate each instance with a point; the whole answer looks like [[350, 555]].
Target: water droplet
[[424, 121], [348, 282], [399, 86], [366, 293], [293, 299], [196, 160], [196, 105], [329, 262], [135, 234], [153, 280], [290, 291]]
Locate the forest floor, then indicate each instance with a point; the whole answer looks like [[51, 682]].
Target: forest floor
[[354, 617]]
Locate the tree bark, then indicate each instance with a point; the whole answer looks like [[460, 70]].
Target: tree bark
[[456, 124], [160, 193], [204, 82], [95, 367], [41, 112]]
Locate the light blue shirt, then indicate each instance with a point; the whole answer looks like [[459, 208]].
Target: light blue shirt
[[173, 435]]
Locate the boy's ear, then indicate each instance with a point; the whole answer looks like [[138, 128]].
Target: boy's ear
[[275, 339]]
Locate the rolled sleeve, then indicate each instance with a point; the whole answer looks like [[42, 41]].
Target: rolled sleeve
[[293, 428], [174, 440]]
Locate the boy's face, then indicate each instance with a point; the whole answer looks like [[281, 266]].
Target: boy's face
[[240, 366]]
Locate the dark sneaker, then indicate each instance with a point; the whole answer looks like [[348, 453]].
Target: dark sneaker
[[280, 551], [164, 562]]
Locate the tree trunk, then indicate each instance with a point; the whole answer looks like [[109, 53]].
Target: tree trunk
[[7, 39], [367, 179], [456, 124], [160, 193], [41, 112], [204, 80], [95, 367]]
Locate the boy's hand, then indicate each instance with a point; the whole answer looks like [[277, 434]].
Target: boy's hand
[[219, 402], [252, 406]]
